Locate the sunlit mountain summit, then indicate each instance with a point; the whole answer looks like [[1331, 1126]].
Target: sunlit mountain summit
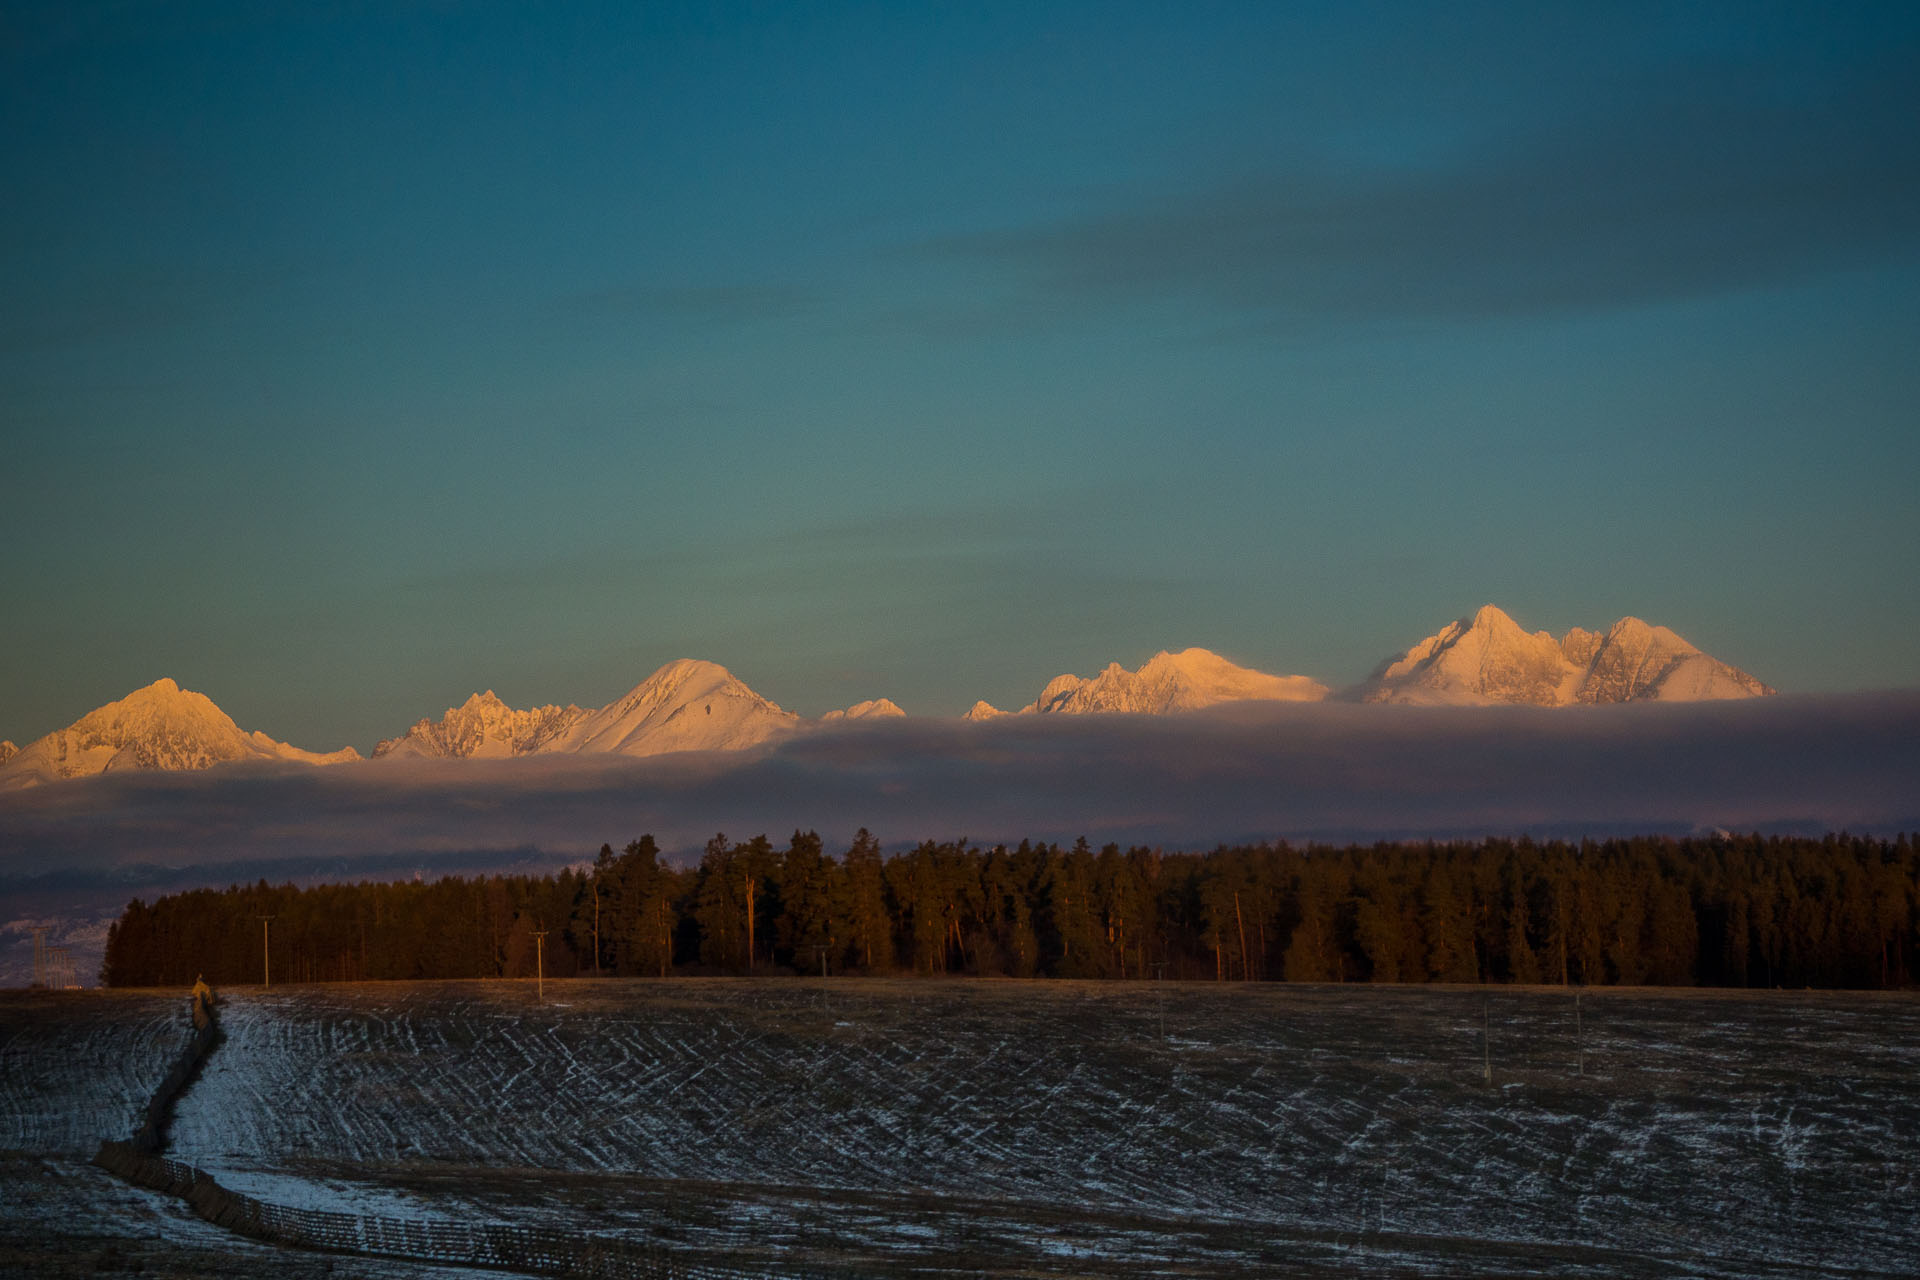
[[688, 705], [872, 709], [1165, 684], [159, 727], [1488, 658], [483, 727]]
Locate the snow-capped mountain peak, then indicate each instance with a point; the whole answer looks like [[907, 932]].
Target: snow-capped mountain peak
[[1489, 658], [687, 705], [1060, 691], [1636, 661], [873, 709], [1171, 682], [161, 726], [482, 726], [1483, 658]]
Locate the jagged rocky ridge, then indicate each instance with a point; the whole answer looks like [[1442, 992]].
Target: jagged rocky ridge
[[1488, 658], [691, 705], [482, 727], [684, 706]]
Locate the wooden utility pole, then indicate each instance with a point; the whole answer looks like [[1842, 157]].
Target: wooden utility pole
[[1486, 1037], [596, 922], [750, 889], [1160, 983], [666, 938], [1246, 970], [540, 964], [266, 952], [1579, 1040]]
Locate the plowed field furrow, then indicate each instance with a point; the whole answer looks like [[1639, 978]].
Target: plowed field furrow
[[1710, 1134], [67, 1081]]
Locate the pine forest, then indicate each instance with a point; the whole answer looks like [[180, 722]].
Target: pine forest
[[1742, 911]]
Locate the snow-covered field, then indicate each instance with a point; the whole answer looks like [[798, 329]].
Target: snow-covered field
[[1066, 1128]]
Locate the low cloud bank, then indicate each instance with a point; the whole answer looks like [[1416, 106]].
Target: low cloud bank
[[1329, 772], [1332, 772]]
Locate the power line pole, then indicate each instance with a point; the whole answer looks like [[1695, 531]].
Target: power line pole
[[1486, 1035], [60, 969], [540, 964], [266, 952], [1579, 1040], [1160, 987]]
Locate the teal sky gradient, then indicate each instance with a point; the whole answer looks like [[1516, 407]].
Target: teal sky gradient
[[357, 357]]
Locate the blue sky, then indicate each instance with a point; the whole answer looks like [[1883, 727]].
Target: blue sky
[[357, 357]]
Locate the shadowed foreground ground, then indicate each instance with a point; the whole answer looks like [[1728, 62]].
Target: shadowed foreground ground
[[1053, 1128]]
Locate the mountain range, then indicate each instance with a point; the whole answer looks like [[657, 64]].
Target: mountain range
[[691, 705]]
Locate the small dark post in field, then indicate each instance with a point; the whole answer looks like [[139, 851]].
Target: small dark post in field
[[1246, 970], [1486, 1035], [540, 964], [266, 952], [1579, 1040], [1160, 988]]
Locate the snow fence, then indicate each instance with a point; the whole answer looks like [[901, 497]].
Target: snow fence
[[509, 1248], [152, 1136]]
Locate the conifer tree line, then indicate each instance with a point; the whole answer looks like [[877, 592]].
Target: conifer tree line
[[1741, 911]]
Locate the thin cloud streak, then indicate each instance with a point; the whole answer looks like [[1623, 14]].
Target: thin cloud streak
[[707, 303], [1696, 188]]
